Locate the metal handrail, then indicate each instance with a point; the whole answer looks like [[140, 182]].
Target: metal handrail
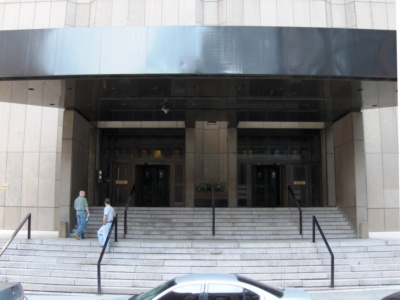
[[315, 222], [126, 210], [291, 192], [213, 210], [29, 218], [115, 222]]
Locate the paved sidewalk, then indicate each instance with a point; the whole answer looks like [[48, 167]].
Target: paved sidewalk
[[366, 293]]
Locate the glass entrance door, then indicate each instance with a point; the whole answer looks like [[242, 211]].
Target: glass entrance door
[[266, 186], [152, 185]]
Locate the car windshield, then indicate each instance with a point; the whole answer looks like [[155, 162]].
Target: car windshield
[[156, 291]]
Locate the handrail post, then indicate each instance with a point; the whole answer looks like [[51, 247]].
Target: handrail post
[[332, 271], [102, 254], [98, 279], [213, 210], [301, 221], [126, 210], [116, 228], [299, 208], [315, 223], [29, 226], [125, 222], [27, 218], [313, 229]]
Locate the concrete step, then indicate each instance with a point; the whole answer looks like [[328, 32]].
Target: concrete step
[[231, 223], [132, 266]]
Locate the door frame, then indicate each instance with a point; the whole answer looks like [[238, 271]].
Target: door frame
[[116, 182], [139, 184], [281, 178]]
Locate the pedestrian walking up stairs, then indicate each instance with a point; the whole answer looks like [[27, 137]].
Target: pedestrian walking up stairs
[[230, 223]]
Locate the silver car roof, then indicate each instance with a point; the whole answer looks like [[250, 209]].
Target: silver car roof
[[205, 276], [228, 278]]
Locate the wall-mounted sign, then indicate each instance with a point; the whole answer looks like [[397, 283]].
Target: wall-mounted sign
[[4, 186], [299, 182], [121, 182]]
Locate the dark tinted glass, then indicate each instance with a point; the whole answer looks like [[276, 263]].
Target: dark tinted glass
[[187, 292], [156, 291], [265, 287], [219, 291]]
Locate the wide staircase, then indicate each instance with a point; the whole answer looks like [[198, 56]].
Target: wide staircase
[[230, 223], [263, 244]]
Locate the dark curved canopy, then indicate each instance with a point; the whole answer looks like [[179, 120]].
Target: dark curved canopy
[[180, 50], [204, 73]]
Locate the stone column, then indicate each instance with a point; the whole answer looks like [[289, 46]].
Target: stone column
[[74, 164], [232, 167], [211, 156], [382, 168], [189, 166], [351, 184], [329, 183]]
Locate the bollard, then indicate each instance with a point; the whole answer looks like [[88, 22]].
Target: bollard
[[63, 230]]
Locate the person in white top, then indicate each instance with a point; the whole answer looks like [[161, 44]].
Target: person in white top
[[108, 217]]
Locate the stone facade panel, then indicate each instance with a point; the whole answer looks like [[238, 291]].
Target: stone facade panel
[[27, 15], [302, 13], [285, 13], [58, 14], [379, 16], [47, 170], [30, 180], [363, 15], [120, 13], [82, 16], [375, 180], [42, 15], [376, 220]]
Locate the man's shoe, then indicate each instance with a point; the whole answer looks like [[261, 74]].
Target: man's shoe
[[77, 237]]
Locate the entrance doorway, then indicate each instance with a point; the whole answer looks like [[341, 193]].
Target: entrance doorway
[[266, 186], [121, 184], [152, 185]]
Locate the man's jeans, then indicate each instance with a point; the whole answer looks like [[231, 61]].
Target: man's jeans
[[102, 235], [81, 217]]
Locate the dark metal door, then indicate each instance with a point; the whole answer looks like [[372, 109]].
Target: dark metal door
[[121, 184], [300, 185], [266, 186], [152, 185]]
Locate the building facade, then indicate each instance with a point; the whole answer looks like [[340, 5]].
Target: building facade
[[260, 95]]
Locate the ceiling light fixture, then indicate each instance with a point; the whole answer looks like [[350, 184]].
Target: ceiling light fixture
[[165, 109]]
